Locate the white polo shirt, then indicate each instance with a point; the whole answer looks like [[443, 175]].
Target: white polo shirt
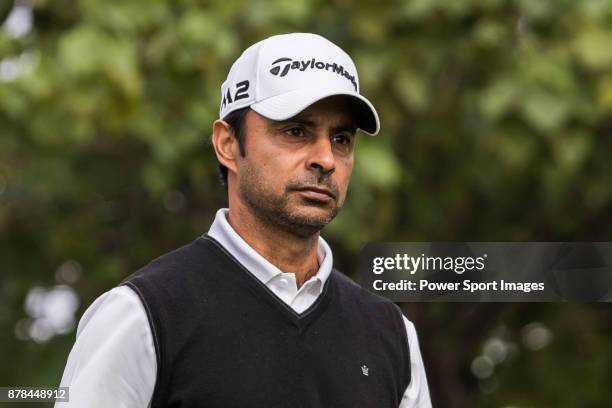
[[113, 361]]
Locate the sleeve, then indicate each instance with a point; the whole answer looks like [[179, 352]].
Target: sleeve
[[113, 361], [417, 393]]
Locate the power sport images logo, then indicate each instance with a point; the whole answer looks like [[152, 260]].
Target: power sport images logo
[[281, 67]]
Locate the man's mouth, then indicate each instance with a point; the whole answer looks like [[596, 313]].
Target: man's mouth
[[316, 194]]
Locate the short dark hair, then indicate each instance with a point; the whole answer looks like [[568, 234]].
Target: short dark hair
[[237, 122]]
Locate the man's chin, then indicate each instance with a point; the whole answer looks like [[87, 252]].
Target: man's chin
[[308, 220], [316, 210]]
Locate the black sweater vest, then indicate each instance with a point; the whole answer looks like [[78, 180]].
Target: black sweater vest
[[223, 339]]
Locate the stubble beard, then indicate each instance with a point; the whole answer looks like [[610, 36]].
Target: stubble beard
[[277, 211]]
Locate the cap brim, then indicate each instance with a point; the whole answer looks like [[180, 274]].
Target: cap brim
[[289, 104]]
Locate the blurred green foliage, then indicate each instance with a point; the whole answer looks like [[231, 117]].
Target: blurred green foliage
[[496, 125]]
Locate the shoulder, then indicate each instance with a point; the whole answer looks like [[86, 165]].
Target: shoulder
[[185, 258], [349, 286], [112, 303], [350, 291], [119, 303]]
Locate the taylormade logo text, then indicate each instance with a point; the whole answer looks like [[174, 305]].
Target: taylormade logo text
[[281, 67]]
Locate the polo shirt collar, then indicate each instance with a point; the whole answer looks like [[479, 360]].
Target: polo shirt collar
[[260, 267]]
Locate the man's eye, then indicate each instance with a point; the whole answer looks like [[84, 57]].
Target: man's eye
[[341, 139], [295, 132]]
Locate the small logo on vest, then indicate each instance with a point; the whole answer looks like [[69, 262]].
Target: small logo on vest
[[365, 370]]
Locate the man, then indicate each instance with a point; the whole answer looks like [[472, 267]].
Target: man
[[252, 313]]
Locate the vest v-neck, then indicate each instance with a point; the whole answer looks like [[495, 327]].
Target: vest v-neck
[[237, 271]]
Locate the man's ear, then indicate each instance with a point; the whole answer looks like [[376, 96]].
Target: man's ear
[[225, 144]]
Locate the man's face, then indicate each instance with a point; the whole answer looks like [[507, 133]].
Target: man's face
[[296, 172]]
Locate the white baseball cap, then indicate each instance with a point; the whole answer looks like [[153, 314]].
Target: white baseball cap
[[282, 75]]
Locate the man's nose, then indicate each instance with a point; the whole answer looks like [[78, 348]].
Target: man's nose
[[321, 156]]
